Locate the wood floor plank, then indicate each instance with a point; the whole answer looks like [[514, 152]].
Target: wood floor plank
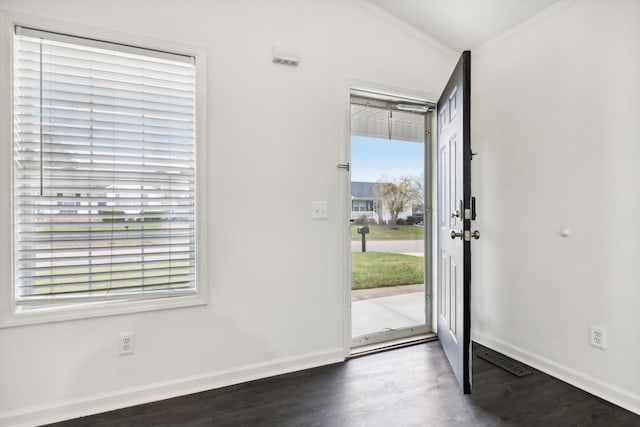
[[411, 386]]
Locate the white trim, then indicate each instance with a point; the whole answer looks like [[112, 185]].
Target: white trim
[[6, 168], [8, 315], [79, 30], [414, 95], [87, 310], [102, 44], [623, 398], [98, 403], [345, 201], [417, 95]]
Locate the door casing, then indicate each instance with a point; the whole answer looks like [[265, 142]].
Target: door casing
[[429, 224]]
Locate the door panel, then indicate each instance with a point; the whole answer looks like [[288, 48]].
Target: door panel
[[454, 188]]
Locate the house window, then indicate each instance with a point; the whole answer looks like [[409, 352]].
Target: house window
[[362, 205], [104, 172]]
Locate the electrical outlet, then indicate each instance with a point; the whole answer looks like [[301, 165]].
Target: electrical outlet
[[126, 343], [598, 337]]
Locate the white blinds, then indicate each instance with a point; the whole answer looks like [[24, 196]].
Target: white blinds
[[104, 171], [382, 123]]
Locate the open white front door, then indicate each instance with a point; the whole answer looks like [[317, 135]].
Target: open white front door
[[454, 221]]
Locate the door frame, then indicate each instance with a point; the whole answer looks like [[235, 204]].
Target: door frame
[[429, 202]]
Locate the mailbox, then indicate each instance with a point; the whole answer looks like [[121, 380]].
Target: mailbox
[[363, 230]]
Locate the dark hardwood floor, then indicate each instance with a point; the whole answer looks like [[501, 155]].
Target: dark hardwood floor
[[411, 386]]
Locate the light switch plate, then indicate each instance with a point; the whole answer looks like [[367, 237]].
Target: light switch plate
[[319, 210]]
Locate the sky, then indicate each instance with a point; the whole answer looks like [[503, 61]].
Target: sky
[[375, 158]]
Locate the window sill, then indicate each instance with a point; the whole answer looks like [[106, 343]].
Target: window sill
[[86, 310]]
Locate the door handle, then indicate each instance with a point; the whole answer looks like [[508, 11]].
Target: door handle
[[467, 235]]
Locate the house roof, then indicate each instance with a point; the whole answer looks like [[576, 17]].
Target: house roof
[[362, 190]]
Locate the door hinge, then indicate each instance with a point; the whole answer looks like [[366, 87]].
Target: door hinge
[[345, 166]]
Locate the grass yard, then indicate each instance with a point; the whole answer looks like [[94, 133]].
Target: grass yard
[[381, 232], [377, 269], [100, 277]]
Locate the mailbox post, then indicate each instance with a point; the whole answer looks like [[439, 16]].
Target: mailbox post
[[363, 231]]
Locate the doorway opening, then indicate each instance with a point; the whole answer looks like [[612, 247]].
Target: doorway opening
[[391, 230]]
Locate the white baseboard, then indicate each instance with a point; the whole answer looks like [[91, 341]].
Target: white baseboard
[[608, 392], [74, 408]]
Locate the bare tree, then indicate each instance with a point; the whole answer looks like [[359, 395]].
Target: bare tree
[[397, 195], [418, 201]]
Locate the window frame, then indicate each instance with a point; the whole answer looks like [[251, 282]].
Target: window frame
[[10, 314]]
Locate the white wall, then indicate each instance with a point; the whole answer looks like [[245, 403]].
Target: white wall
[[275, 135], [556, 124]]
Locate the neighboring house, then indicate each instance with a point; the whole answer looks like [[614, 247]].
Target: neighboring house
[[363, 200], [364, 203]]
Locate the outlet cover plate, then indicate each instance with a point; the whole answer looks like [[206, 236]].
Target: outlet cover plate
[[598, 337], [126, 343]]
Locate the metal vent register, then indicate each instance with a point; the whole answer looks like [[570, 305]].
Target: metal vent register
[[504, 362]]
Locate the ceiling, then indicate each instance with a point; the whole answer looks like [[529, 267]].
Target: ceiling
[[463, 24]]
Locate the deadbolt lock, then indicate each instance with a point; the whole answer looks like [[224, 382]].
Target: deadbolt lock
[[458, 211]]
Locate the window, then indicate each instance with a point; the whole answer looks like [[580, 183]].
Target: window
[[104, 172], [362, 205]]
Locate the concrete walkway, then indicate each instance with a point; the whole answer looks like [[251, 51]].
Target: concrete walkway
[[385, 291], [379, 309], [399, 246]]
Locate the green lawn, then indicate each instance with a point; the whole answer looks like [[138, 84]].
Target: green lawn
[[380, 232], [377, 269], [98, 277]]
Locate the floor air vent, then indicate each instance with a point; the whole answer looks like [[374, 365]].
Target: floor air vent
[[502, 361]]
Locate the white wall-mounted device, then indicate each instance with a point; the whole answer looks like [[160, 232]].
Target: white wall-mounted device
[[285, 55]]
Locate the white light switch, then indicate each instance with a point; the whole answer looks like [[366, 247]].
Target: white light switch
[[319, 210]]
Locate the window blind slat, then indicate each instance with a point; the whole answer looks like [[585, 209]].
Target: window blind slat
[[109, 280], [104, 172], [102, 258], [60, 125], [56, 60], [104, 104], [123, 287], [30, 77], [161, 150], [30, 47], [175, 291], [26, 112]]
